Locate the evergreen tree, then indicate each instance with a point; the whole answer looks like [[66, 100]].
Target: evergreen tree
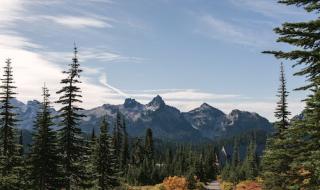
[[125, 148], [44, 156], [148, 145], [105, 159], [21, 148], [10, 158], [234, 172], [93, 135], [117, 139], [276, 159], [137, 155], [303, 138], [168, 162], [210, 169], [23, 169], [225, 173], [71, 142], [250, 165]]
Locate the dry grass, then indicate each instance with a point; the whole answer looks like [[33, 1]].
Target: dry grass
[[156, 187], [249, 185], [244, 185]]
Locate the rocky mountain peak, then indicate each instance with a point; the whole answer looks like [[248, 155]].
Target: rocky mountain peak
[[205, 106], [131, 103], [33, 103], [156, 103], [235, 112]]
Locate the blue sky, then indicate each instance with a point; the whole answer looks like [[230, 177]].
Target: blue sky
[[188, 51]]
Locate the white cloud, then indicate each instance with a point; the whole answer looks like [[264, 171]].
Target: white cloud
[[86, 54], [231, 32], [78, 22], [9, 11], [12, 41], [103, 81], [267, 8], [32, 68], [181, 94]]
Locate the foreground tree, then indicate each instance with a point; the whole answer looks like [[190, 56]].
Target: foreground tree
[[276, 159], [235, 163], [304, 136], [105, 160], [44, 159], [70, 138], [250, 165], [120, 143], [117, 139], [125, 157], [10, 158]]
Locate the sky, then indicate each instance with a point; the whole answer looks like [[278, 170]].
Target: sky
[[187, 51]]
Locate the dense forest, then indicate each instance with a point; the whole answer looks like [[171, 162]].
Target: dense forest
[[61, 156]]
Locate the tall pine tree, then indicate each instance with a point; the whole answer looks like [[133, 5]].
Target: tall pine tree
[[10, 159], [44, 155], [71, 142], [250, 165], [125, 147], [117, 139], [148, 145], [234, 171], [304, 136], [276, 159], [105, 160]]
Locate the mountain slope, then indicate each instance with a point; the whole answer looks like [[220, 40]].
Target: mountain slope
[[167, 122], [213, 123]]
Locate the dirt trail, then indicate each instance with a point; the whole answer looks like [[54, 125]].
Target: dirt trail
[[214, 185]]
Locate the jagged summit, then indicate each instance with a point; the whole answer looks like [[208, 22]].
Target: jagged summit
[[157, 100], [206, 106], [131, 103], [156, 103], [33, 102], [237, 112]]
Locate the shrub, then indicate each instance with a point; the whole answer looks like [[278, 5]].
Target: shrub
[[249, 185], [226, 185], [175, 183]]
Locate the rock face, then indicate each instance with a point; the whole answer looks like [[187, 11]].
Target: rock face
[[213, 123], [167, 122]]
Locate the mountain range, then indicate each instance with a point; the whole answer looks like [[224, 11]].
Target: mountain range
[[167, 122]]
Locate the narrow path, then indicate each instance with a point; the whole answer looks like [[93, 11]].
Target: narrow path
[[214, 185]]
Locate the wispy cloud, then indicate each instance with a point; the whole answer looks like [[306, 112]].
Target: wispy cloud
[[180, 94], [13, 40], [86, 54], [27, 57], [10, 11], [104, 82], [268, 8], [232, 32], [78, 22]]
